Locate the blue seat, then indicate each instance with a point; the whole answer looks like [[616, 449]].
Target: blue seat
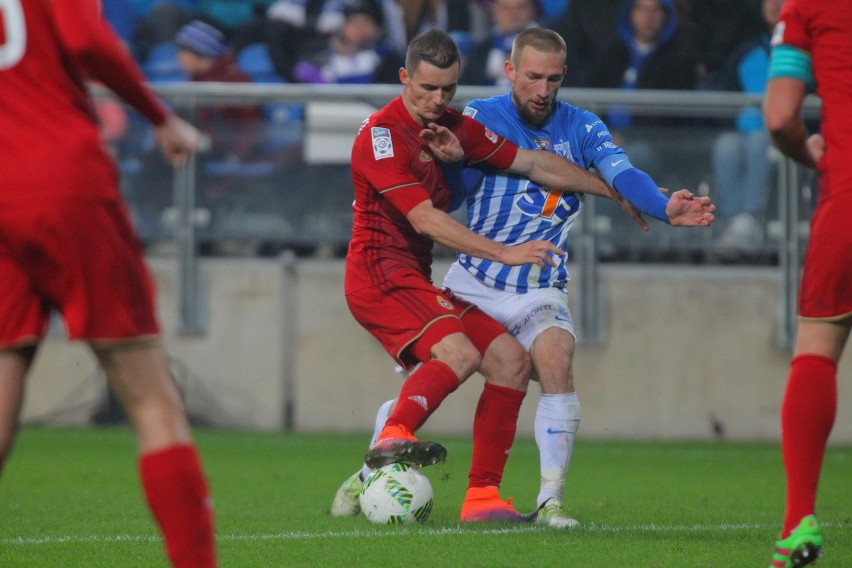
[[254, 60], [162, 66]]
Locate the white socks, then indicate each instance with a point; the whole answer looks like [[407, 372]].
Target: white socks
[[381, 418], [557, 419]]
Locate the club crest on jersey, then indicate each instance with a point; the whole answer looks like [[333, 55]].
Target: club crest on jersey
[[443, 302], [490, 135], [382, 144], [425, 157]]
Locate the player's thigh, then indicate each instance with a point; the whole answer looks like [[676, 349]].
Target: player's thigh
[[407, 315], [24, 312], [824, 293], [82, 258]]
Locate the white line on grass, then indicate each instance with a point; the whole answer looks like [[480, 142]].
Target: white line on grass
[[402, 531]]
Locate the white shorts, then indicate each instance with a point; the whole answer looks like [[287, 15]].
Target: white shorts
[[523, 315]]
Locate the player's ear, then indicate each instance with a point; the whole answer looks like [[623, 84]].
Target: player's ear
[[403, 76], [509, 68]]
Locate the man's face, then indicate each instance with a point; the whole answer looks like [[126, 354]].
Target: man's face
[[535, 83], [648, 17], [512, 16], [428, 90]]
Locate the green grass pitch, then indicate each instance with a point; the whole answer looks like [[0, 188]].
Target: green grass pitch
[[70, 498]]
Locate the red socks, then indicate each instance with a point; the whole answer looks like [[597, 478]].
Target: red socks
[[494, 428], [179, 499], [422, 393], [807, 416]]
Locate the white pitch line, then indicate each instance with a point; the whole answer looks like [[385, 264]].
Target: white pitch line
[[402, 531]]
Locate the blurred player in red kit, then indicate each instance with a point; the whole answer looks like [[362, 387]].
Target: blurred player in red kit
[[66, 243], [812, 44], [401, 199]]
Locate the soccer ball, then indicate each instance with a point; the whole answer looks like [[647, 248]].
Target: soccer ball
[[396, 494]]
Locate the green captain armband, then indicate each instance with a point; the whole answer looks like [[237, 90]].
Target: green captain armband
[[789, 61]]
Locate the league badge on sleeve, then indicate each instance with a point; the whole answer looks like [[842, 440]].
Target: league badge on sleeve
[[491, 136], [469, 111], [382, 144]]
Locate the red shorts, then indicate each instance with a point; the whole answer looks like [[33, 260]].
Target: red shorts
[[80, 257], [408, 315], [826, 288]]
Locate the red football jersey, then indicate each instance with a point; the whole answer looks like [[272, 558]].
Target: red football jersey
[[47, 125], [823, 29], [392, 171]]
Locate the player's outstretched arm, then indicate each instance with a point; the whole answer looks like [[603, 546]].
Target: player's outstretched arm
[[685, 209], [448, 232], [555, 172]]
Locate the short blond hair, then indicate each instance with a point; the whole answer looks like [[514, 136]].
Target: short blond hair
[[540, 39]]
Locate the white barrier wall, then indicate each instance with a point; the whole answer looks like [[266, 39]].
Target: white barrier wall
[[691, 354]]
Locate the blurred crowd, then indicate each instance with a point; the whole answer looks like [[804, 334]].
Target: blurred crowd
[[710, 45], [670, 44]]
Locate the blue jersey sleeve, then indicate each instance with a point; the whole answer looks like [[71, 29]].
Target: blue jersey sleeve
[[639, 189]]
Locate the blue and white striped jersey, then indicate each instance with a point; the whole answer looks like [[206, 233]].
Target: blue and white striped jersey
[[511, 209]]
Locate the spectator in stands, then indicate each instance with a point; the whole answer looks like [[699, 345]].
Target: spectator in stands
[[740, 157], [299, 30], [587, 26], [647, 53], [356, 53], [158, 22], [205, 57], [715, 28], [485, 63], [404, 19]]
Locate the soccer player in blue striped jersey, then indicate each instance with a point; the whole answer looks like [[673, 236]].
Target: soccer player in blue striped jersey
[[531, 301]]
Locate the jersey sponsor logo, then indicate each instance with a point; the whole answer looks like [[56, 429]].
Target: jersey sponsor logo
[[490, 135], [592, 125], [382, 143], [547, 203], [564, 149], [425, 157], [607, 144], [468, 111], [443, 302]]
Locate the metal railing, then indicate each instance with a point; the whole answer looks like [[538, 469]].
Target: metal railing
[[696, 109]]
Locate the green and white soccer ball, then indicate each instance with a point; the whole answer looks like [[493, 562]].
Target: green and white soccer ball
[[396, 494]]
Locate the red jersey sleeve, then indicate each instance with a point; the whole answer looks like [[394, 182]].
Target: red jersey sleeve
[[95, 46], [384, 161], [792, 28], [481, 145]]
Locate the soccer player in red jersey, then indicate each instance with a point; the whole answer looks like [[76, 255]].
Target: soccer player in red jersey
[[812, 44], [66, 243], [401, 200]]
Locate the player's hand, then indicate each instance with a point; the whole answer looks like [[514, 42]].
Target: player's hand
[[442, 142], [816, 147], [177, 139], [531, 252], [685, 209]]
